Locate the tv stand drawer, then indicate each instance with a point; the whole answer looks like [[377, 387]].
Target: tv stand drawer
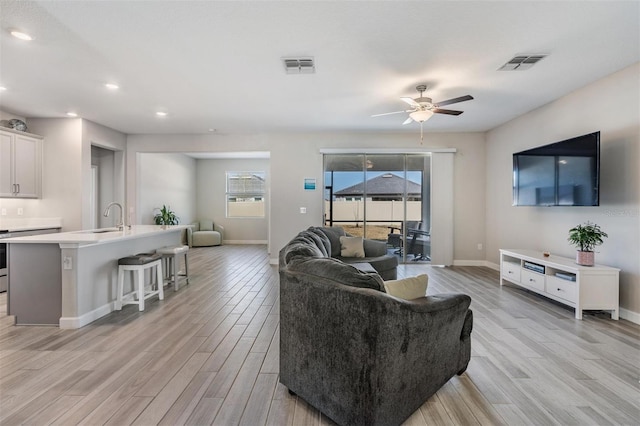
[[533, 280], [564, 289], [511, 271]]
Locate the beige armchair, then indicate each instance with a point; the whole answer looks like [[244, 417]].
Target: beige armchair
[[205, 233]]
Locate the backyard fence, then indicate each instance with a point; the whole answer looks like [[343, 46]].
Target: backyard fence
[[378, 212]]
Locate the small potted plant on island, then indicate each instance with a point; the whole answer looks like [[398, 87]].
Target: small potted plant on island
[[166, 216], [585, 238]]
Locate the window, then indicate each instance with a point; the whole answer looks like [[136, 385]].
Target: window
[[245, 194]]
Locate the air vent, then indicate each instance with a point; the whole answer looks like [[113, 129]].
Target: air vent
[[522, 62], [299, 65]]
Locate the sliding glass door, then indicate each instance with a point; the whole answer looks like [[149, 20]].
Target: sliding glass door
[[384, 197]]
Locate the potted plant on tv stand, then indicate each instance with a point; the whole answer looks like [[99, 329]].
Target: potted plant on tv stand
[[585, 238]]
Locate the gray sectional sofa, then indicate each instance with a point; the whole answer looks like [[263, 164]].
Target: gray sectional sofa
[[375, 252], [356, 353]]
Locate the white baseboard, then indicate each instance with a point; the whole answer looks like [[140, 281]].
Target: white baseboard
[[484, 263], [250, 242], [469, 263], [81, 321], [630, 315], [493, 266]]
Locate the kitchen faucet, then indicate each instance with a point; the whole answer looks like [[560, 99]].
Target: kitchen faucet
[[120, 223]]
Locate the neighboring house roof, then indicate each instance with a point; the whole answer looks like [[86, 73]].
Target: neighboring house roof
[[245, 183], [386, 184]]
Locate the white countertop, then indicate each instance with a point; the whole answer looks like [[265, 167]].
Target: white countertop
[[30, 223], [30, 228], [93, 237]]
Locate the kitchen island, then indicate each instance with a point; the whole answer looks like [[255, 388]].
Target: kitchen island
[[69, 279]]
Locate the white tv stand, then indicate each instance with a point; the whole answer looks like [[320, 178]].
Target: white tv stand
[[581, 287]]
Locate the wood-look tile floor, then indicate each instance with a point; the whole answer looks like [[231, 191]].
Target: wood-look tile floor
[[208, 354]]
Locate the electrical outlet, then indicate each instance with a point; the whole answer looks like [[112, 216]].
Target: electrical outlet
[[303, 210], [67, 263], [479, 246], [4, 212], [20, 211]]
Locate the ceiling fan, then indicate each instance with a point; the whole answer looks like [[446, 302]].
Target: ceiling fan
[[424, 108]]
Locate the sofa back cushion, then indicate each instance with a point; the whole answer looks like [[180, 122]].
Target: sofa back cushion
[[334, 233], [315, 239], [326, 243], [300, 249], [335, 270], [206, 225]]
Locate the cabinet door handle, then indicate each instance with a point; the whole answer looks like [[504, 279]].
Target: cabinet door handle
[[18, 185]]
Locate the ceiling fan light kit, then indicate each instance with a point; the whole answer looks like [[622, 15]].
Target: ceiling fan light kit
[[424, 107], [421, 116]]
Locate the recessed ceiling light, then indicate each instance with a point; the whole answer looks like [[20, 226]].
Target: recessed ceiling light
[[72, 114], [2, 88], [161, 114], [111, 86], [21, 35]]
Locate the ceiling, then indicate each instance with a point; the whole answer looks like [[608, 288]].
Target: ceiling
[[218, 65]]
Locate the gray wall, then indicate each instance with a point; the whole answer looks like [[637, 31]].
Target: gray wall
[[211, 175], [166, 179], [61, 172], [294, 157], [114, 143], [104, 160], [66, 169], [610, 105]]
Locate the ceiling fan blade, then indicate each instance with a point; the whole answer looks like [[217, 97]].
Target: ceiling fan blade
[[410, 101], [447, 111], [407, 121], [454, 101], [388, 113]]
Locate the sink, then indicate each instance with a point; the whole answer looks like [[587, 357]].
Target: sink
[[100, 231]]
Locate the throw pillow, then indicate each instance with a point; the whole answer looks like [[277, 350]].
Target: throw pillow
[[351, 247], [206, 225], [408, 288]]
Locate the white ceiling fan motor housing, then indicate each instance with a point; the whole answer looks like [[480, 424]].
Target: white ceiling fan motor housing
[[425, 102]]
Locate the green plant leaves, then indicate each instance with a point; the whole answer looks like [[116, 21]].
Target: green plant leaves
[[586, 236], [166, 217]]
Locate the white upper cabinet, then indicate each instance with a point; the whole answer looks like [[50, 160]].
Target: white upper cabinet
[[20, 165]]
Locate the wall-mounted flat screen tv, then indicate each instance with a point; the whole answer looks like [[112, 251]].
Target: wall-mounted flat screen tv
[[565, 173]]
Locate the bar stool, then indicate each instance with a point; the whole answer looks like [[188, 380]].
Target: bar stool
[[170, 259], [138, 264]]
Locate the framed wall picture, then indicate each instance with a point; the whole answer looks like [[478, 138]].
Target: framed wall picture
[[309, 184]]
